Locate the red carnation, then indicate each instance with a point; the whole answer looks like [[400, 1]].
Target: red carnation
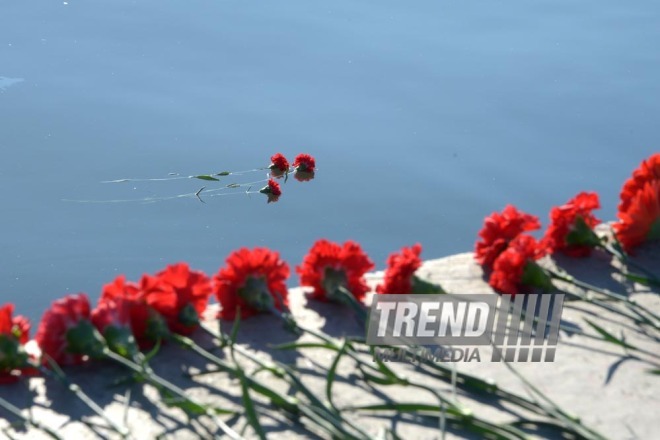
[[14, 333], [279, 165], [304, 162], [57, 332], [571, 226], [640, 222], [648, 171], [499, 229], [145, 322], [514, 269], [190, 291], [329, 266], [401, 268], [254, 280]]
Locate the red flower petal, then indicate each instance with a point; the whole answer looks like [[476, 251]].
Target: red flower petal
[[304, 162], [509, 266], [260, 264], [279, 163], [641, 221], [400, 269], [499, 229], [63, 314], [563, 221], [348, 259]]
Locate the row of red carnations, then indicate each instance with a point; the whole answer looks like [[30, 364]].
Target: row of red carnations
[[174, 299], [507, 251]]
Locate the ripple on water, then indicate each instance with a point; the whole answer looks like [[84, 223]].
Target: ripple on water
[[7, 82]]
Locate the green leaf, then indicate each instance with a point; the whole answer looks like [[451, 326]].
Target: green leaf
[[655, 371], [234, 185], [234, 328], [223, 173], [250, 412], [205, 177], [609, 337]]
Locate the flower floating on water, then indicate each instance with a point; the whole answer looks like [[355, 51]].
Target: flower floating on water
[[14, 334], [515, 269], [304, 162], [272, 190], [279, 165], [329, 267], [571, 226], [639, 210], [66, 333], [499, 229], [254, 280], [304, 166]]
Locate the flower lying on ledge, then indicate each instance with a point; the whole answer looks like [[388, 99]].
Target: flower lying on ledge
[[179, 295], [641, 221], [639, 210], [254, 280], [400, 275], [515, 270], [14, 334], [329, 267], [498, 230], [571, 226], [278, 165], [66, 333]]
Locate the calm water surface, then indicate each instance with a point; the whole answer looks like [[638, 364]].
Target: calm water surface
[[423, 117]]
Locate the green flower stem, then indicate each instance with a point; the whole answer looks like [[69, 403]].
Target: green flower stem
[[283, 372], [617, 252], [58, 374], [148, 374], [642, 313], [28, 419]]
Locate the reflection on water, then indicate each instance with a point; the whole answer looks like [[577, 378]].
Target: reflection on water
[[6, 82]]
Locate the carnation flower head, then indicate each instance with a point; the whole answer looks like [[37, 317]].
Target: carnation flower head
[[499, 229], [400, 270], [640, 222], [648, 171], [304, 162], [146, 324], [66, 333], [515, 270], [179, 295], [254, 280], [278, 164], [14, 333], [329, 266], [571, 226]]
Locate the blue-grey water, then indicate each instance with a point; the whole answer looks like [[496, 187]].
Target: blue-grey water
[[423, 116]]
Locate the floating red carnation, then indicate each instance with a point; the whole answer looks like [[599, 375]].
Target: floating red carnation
[[14, 333], [272, 189], [648, 171], [254, 280], [279, 164], [304, 162], [53, 336], [499, 229], [510, 267], [401, 268], [190, 291], [329, 266], [640, 222], [571, 226]]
